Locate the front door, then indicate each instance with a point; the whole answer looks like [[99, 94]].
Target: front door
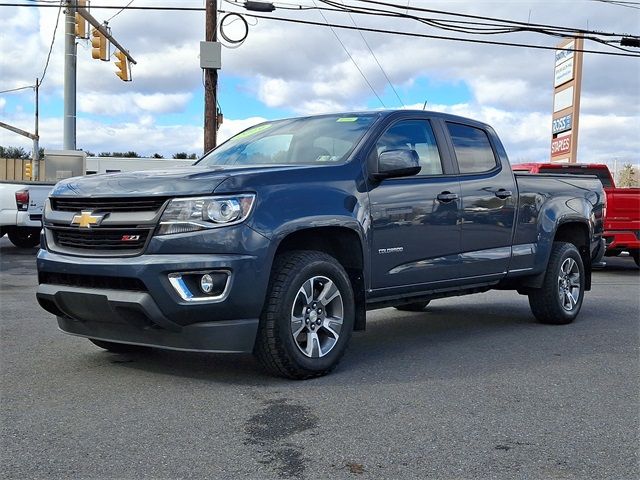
[[415, 220]]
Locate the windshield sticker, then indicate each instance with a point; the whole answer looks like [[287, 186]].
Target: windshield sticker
[[347, 119], [253, 131]]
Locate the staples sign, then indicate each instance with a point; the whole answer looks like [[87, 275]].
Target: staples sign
[[561, 145]]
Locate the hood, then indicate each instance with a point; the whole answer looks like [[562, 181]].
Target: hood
[[192, 180]]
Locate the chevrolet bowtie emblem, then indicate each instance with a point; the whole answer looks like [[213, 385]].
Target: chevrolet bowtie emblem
[[86, 219]]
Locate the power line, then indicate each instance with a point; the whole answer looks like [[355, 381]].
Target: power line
[[492, 19], [635, 5], [355, 9], [436, 37], [19, 88], [119, 11], [562, 31], [376, 59], [53, 39], [352, 59], [472, 27]]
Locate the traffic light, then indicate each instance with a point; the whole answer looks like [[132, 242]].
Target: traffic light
[[123, 66], [27, 171], [81, 23], [99, 45]]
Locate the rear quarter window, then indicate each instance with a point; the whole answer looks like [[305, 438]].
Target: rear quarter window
[[472, 148]]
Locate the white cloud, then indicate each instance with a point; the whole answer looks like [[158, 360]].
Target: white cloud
[[304, 69], [132, 103]]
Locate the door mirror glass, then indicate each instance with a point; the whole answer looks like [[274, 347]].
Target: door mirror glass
[[398, 163]]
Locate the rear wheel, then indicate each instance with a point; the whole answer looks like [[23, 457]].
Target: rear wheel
[[118, 347], [559, 299], [25, 237], [308, 317], [412, 307]]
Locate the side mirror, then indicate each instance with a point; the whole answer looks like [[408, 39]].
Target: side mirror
[[398, 163]]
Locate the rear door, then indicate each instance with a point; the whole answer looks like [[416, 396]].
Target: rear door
[[415, 220], [489, 197]]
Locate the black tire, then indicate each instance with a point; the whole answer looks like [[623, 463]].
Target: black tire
[[118, 347], [276, 348], [25, 237], [636, 257], [559, 299], [412, 307]]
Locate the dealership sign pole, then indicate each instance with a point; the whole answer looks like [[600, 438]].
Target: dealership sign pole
[[567, 83]]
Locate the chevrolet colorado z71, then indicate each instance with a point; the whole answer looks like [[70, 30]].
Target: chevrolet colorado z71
[[278, 241]]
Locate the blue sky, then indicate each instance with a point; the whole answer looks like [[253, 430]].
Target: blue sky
[[285, 70], [238, 100]]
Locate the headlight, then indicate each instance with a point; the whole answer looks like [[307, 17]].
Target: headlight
[[198, 213]]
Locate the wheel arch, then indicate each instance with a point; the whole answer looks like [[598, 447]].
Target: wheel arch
[[345, 244], [571, 230]]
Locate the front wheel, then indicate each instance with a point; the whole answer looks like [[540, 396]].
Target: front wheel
[[308, 316], [559, 299], [25, 237]]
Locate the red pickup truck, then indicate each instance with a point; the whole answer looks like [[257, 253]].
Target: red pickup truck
[[622, 218]]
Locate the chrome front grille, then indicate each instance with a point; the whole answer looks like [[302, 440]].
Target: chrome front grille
[[101, 226]]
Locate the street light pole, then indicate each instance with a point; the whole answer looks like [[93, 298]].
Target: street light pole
[[69, 126], [35, 156]]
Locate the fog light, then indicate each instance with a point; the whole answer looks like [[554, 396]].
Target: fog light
[[212, 286], [206, 283]]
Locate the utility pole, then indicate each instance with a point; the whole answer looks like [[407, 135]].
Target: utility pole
[[69, 126], [210, 81]]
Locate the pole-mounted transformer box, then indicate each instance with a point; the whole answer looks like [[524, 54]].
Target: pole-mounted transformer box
[[211, 55]]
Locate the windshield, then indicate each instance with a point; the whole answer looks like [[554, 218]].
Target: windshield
[[300, 141]]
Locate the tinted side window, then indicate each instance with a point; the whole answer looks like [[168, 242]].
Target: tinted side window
[[413, 135], [472, 147]]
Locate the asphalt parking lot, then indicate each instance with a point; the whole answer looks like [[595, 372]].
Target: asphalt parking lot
[[471, 389]]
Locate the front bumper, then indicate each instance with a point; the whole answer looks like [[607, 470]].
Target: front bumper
[[131, 300], [134, 318]]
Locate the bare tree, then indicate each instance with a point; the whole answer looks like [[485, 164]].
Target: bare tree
[[627, 176]]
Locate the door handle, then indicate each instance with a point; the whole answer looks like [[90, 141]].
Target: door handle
[[446, 197], [502, 193]]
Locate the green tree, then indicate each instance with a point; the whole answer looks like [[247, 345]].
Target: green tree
[[627, 176], [14, 152], [182, 155], [156, 155], [193, 156]]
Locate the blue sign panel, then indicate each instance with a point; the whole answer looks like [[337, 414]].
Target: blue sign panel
[[561, 124]]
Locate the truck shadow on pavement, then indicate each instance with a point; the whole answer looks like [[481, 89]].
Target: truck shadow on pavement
[[443, 341]]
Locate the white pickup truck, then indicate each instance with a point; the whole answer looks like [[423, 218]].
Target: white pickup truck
[[21, 204]]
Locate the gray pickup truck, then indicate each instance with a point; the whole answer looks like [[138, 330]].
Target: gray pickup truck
[[278, 241]]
